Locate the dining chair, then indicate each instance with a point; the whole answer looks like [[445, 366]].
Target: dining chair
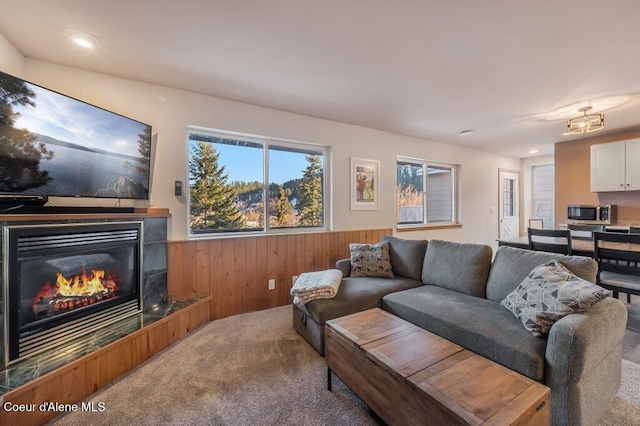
[[551, 240], [584, 232], [618, 257], [536, 223]]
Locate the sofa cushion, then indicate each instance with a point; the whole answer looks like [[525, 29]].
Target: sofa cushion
[[549, 293], [511, 266], [406, 256], [461, 267], [370, 260], [479, 325], [355, 295]]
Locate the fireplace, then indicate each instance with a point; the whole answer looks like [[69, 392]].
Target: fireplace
[[65, 281]]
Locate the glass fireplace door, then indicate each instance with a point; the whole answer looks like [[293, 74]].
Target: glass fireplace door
[[59, 287], [65, 281]]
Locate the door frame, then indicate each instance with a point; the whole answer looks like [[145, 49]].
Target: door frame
[[516, 201]]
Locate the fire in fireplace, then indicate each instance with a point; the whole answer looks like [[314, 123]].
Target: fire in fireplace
[[69, 294], [66, 281]]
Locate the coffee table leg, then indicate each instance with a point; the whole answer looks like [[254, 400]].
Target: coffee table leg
[[328, 379]]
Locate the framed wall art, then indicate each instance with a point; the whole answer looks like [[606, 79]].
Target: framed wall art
[[364, 184]]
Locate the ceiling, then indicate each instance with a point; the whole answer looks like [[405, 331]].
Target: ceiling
[[422, 68]]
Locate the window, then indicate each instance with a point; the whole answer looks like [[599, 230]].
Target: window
[[231, 176], [508, 197], [426, 194], [543, 177]]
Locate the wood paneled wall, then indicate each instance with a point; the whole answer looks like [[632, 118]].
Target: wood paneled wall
[[235, 271]]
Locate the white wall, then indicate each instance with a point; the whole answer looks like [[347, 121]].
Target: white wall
[[11, 61], [169, 111]]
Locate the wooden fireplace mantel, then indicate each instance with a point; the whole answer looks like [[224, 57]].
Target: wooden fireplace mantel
[[137, 213]]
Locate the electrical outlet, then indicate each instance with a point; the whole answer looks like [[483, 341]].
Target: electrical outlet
[[293, 279], [272, 284]]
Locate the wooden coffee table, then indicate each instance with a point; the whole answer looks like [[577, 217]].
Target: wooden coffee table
[[408, 375]]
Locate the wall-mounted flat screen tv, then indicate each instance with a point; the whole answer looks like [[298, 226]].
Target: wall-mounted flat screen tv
[[55, 145]]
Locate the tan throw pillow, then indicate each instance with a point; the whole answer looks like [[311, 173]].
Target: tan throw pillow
[[370, 260], [549, 293]]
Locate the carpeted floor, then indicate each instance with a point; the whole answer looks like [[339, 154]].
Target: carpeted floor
[[255, 369]]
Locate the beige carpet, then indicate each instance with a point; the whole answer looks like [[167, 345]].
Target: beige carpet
[[255, 369]]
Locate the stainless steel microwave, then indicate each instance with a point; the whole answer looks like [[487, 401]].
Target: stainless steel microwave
[[592, 214]]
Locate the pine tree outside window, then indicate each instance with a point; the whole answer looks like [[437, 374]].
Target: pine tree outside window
[[231, 176]]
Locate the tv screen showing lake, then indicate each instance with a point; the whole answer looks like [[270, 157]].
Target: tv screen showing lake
[[54, 145], [80, 172]]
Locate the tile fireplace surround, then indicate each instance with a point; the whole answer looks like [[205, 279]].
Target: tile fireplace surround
[[154, 295]]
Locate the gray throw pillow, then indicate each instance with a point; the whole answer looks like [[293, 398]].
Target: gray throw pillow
[[370, 260], [549, 293], [512, 265]]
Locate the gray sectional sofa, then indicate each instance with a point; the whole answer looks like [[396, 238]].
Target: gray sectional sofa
[[454, 290]]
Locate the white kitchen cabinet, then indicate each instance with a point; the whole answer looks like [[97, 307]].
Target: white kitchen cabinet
[[632, 165], [615, 166]]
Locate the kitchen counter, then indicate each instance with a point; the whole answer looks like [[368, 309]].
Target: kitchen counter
[[579, 246]]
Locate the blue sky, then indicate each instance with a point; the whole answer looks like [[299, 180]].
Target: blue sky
[[70, 120], [246, 164]]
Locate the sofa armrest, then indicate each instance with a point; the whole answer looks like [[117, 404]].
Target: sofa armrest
[[583, 362], [344, 265]]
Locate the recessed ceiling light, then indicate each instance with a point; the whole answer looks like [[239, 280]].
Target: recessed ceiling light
[[533, 151], [82, 38], [82, 42], [467, 132]]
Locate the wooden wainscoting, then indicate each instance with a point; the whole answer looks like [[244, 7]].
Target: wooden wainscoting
[[236, 271]]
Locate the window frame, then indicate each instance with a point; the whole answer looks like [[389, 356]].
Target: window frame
[[266, 142], [455, 196], [548, 224]]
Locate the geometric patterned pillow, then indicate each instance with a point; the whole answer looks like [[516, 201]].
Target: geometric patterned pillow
[[370, 260], [548, 293]]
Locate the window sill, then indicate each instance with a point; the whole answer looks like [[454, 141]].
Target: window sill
[[257, 233], [428, 227]]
